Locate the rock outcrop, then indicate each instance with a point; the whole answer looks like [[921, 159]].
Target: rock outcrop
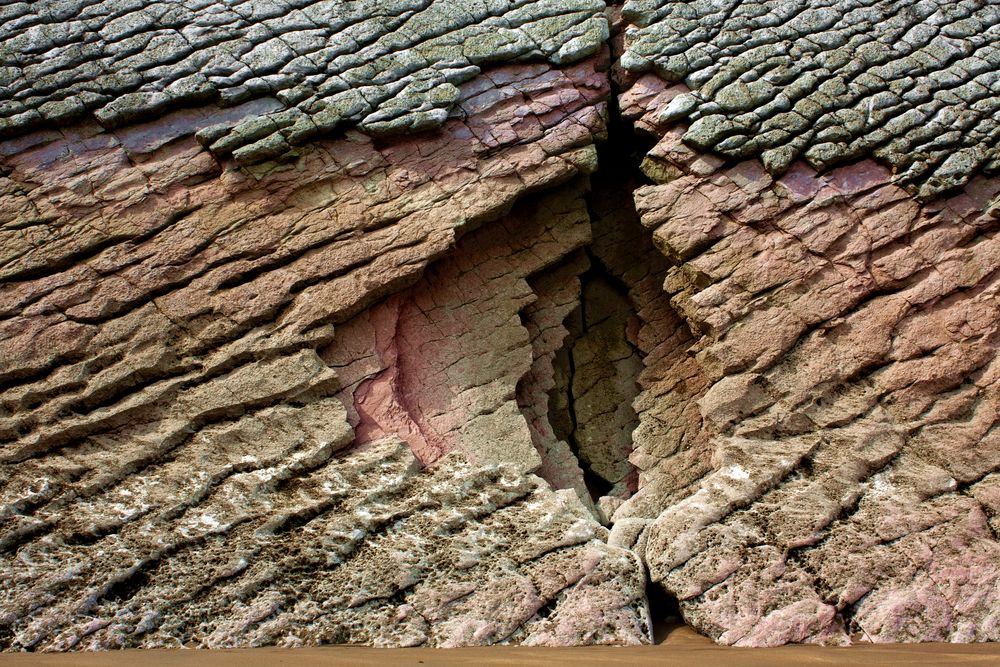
[[291, 546], [912, 82], [353, 322], [846, 338], [184, 356]]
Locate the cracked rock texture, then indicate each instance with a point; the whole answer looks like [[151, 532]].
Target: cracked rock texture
[[178, 466], [443, 362], [348, 322], [914, 83], [292, 546], [601, 368], [387, 66], [847, 336]]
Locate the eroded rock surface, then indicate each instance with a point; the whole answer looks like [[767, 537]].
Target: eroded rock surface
[[441, 363], [913, 83], [315, 66], [287, 305], [290, 546], [848, 336], [164, 312]]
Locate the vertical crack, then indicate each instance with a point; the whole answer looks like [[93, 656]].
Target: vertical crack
[[599, 381]]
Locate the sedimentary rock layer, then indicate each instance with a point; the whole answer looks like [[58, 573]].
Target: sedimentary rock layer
[[168, 423], [297, 297], [314, 66], [848, 336]]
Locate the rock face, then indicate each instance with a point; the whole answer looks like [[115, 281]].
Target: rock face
[[913, 83], [847, 336], [291, 546], [184, 351], [349, 322], [387, 66]]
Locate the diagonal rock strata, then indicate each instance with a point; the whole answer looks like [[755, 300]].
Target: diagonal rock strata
[[847, 334], [293, 546], [288, 296], [911, 83], [163, 315], [314, 67]]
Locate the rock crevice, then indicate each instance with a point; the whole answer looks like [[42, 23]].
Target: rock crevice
[[353, 322]]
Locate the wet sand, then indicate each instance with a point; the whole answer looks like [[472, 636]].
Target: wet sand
[[681, 646]]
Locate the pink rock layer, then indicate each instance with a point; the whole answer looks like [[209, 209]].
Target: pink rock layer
[[440, 363]]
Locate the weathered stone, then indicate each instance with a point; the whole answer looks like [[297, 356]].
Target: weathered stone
[[914, 83], [847, 336], [278, 542], [390, 67], [166, 417], [281, 366]]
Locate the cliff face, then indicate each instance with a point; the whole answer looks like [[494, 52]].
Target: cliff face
[[354, 322]]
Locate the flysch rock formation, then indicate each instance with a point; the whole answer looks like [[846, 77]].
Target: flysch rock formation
[[353, 322]]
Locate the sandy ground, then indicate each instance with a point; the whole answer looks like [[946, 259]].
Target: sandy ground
[[680, 647]]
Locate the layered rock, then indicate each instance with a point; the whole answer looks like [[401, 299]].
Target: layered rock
[[291, 546], [194, 425], [296, 298], [848, 337], [388, 67]]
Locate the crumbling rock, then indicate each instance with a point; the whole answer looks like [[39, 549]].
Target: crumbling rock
[[388, 67], [912, 83]]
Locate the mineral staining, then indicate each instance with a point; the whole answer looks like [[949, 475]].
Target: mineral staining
[[289, 291]]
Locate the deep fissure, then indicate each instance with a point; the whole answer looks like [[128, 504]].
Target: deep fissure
[[597, 373]]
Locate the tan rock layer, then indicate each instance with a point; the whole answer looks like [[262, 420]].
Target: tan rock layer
[[152, 281], [291, 546], [168, 428]]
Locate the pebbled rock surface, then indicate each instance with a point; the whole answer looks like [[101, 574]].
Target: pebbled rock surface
[[847, 335], [913, 83]]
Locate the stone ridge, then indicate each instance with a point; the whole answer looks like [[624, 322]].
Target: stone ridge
[[388, 67], [913, 83]]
